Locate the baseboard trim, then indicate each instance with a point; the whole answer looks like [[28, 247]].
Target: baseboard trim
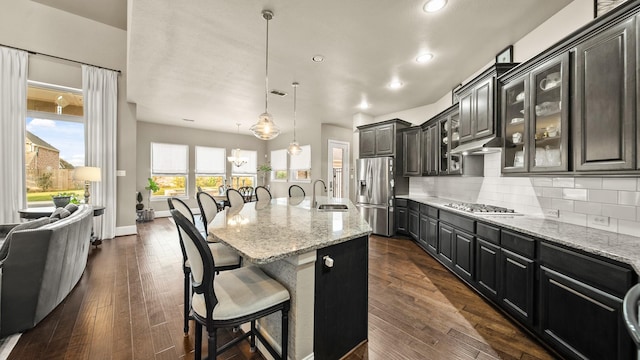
[[126, 230]]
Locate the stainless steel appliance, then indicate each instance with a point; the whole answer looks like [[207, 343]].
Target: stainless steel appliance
[[481, 209], [375, 192]]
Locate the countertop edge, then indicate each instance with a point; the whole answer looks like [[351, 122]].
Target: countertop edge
[[620, 256]]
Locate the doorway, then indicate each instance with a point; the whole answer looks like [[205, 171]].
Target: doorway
[[338, 169]]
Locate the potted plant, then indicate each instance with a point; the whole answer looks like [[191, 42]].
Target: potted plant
[[139, 205], [61, 199], [152, 187], [264, 169]]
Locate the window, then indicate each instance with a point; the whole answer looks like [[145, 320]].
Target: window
[[300, 165], [210, 169], [246, 174], [54, 141], [170, 168], [279, 165]]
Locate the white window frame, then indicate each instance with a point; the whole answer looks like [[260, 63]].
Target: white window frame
[[300, 162], [175, 173], [206, 172], [279, 163]]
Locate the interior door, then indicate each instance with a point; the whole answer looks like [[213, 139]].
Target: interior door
[[338, 169]]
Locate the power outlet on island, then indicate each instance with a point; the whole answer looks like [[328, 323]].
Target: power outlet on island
[[551, 213]]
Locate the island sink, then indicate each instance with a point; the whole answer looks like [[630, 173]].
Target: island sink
[[333, 207]]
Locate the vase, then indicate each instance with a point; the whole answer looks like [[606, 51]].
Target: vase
[[61, 201]]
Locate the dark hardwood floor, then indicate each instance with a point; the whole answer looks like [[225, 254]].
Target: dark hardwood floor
[[128, 305]]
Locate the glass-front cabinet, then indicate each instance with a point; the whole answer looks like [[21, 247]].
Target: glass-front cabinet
[[448, 126], [515, 103], [535, 119], [549, 117]]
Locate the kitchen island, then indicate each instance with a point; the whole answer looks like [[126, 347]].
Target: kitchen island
[[321, 257]]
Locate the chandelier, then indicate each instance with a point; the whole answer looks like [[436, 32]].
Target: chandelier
[[265, 128], [294, 148], [235, 157]]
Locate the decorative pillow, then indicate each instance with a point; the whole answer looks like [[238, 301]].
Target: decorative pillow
[[60, 213], [71, 207], [34, 224]]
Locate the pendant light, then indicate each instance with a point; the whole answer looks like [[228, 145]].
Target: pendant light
[[294, 148], [235, 157], [265, 128]]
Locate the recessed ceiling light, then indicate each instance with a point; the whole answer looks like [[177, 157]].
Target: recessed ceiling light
[[317, 58], [364, 105], [434, 5], [395, 84], [423, 58]]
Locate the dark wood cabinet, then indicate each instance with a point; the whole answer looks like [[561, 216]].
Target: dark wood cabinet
[[445, 244], [478, 102], [487, 268], [517, 279], [424, 227], [412, 151], [432, 236], [402, 218], [604, 105], [413, 223], [441, 134], [463, 258], [347, 276], [430, 153], [380, 139]]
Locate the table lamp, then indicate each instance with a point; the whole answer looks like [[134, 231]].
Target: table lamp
[[87, 174]]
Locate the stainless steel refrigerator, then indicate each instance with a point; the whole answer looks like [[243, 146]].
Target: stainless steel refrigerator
[[375, 193]]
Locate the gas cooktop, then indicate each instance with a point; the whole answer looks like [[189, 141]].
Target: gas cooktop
[[481, 209]]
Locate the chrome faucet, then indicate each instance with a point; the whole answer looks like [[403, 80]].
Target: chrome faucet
[[314, 203]]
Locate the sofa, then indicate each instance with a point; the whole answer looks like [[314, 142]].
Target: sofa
[[41, 266]]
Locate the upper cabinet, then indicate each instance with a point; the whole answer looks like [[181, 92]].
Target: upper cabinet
[[411, 148], [440, 134], [572, 109], [478, 103], [381, 139], [605, 100]]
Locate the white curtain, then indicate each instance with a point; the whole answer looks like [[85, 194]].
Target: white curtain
[[100, 91], [13, 113]]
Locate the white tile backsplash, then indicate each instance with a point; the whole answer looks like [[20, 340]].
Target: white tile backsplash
[[580, 199]]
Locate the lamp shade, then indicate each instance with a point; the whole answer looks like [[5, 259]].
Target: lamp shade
[[87, 173]]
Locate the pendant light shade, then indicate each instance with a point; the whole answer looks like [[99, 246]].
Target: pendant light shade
[[236, 159], [294, 148], [265, 128]]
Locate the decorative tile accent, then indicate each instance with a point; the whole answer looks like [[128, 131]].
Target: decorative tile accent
[[585, 207], [574, 194], [629, 184], [603, 196], [629, 198], [588, 183], [619, 211]]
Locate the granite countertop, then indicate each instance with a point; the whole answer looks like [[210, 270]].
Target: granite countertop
[[266, 231], [619, 247]]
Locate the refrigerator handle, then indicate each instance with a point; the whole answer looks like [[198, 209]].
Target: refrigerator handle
[[370, 180]]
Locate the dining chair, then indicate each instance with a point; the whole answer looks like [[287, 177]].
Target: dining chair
[[246, 192], [234, 198], [209, 207], [262, 193], [230, 298], [227, 258], [295, 191]]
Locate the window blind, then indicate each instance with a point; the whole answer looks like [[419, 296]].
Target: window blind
[[210, 160], [169, 158]]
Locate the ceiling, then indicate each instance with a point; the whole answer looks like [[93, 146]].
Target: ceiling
[[204, 60]]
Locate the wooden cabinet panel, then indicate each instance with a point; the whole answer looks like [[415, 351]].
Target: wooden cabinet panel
[[432, 235], [482, 122], [466, 105], [341, 294], [581, 321], [414, 224], [412, 152], [385, 140], [424, 226], [517, 280], [463, 254], [445, 244], [604, 101], [367, 142], [487, 267], [402, 218]]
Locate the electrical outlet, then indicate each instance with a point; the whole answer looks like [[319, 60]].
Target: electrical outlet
[[551, 213], [600, 220]]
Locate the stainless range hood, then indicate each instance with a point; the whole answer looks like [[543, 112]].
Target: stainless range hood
[[479, 147]]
